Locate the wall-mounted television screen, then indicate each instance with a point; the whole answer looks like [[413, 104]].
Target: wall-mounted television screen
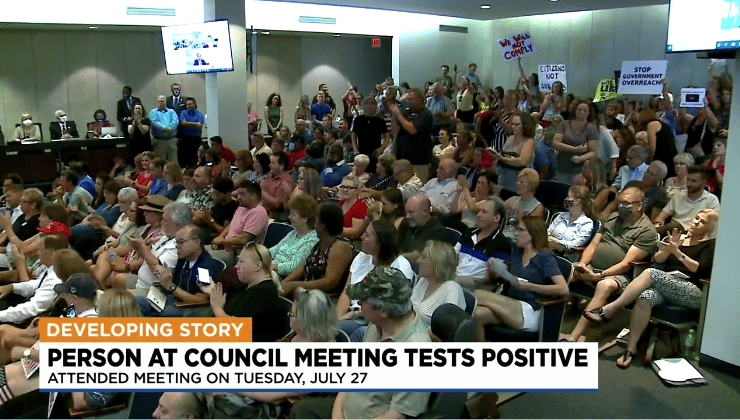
[[197, 48], [703, 25]]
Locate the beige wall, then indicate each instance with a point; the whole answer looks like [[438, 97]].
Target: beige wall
[[81, 71]]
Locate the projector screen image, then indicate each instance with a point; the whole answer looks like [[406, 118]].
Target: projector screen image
[[705, 25], [197, 48]]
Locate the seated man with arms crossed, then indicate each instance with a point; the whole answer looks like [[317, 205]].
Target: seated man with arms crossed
[[627, 236]]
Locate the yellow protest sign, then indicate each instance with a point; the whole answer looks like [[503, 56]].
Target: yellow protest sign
[[605, 91]]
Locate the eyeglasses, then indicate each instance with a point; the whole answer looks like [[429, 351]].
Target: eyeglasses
[[347, 187]]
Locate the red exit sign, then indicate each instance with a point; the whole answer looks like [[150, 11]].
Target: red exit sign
[[375, 42]]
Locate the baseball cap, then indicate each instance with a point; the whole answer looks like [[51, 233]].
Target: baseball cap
[[385, 283], [80, 284], [56, 227]]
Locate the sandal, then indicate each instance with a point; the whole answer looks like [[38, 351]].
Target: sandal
[[626, 358], [596, 315]]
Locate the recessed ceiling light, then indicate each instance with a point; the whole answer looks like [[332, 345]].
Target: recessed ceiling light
[[265, 32], [93, 27], [485, 6], [554, 1], [337, 35]]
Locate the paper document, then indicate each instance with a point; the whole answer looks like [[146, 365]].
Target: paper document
[[677, 370]]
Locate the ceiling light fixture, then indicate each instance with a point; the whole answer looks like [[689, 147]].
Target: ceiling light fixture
[[337, 35], [485, 6], [265, 32], [553, 1], [92, 27]]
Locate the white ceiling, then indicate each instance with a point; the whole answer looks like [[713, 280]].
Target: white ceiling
[[470, 9]]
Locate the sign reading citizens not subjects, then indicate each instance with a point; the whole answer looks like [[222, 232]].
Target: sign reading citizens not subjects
[[516, 46], [551, 73], [642, 77]]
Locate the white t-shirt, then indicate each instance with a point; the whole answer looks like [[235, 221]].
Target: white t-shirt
[[448, 292], [166, 252], [362, 265]]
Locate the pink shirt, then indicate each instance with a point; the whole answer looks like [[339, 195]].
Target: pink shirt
[[277, 187], [246, 220]]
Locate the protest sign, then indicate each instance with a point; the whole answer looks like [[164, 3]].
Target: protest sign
[[551, 73], [516, 46], [605, 91], [642, 77], [693, 97]]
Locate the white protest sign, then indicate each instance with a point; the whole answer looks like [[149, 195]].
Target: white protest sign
[[693, 97], [516, 46], [642, 77], [551, 73]]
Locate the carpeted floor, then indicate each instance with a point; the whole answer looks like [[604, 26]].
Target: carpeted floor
[[636, 392]]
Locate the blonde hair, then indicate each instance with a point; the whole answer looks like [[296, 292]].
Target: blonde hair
[[444, 257], [532, 177], [685, 158], [712, 223], [641, 138], [353, 180], [118, 303]]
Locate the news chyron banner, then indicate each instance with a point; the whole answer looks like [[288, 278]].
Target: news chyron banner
[[216, 354]]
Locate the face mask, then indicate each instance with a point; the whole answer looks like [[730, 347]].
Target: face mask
[[100, 118], [63, 118], [176, 92], [567, 204], [27, 121], [624, 212]]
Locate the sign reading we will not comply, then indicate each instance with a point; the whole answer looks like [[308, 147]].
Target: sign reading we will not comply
[[642, 77], [516, 46]]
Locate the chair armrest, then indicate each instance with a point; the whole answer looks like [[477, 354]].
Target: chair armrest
[[88, 413], [705, 282], [192, 304], [552, 301]]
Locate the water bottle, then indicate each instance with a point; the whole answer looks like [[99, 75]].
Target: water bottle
[[689, 345]]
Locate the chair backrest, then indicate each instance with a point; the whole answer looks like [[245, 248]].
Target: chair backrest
[[452, 324], [553, 217], [223, 266], [41, 131], [565, 266], [551, 193], [342, 337], [276, 231], [597, 226], [546, 216], [451, 236], [470, 302], [287, 305]]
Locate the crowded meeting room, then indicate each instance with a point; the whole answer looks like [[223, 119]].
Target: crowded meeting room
[[543, 172]]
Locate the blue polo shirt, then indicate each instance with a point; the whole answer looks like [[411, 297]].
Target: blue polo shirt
[[162, 119], [194, 116]]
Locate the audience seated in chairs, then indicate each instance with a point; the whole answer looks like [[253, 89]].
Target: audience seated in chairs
[[327, 267], [24, 227], [467, 205], [354, 209], [418, 227], [531, 271], [690, 254], [486, 241], [682, 208], [574, 227], [436, 284], [379, 248], [408, 182], [442, 191], [255, 297], [182, 283], [296, 246], [215, 219], [278, 186], [624, 238], [390, 208]]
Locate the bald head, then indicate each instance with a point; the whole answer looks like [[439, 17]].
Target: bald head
[[179, 405], [418, 210], [446, 169], [438, 89]]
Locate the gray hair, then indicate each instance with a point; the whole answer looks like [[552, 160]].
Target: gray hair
[[316, 315], [685, 158], [639, 152], [394, 310], [405, 165], [362, 159], [662, 168], [127, 194], [181, 213], [161, 96], [58, 112]]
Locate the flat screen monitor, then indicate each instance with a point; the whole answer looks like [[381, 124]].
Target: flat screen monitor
[[197, 48], [703, 25]]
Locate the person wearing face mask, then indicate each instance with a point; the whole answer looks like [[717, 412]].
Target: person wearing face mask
[[62, 128], [101, 120], [626, 237], [573, 228], [176, 101], [27, 130]]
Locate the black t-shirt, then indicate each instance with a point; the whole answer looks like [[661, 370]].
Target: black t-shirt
[[414, 239], [25, 229], [261, 303], [223, 212], [369, 132], [494, 246], [138, 136], [703, 253], [614, 123], [416, 148]]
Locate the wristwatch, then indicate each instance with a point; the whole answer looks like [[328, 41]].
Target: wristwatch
[[172, 288], [213, 221], [27, 353]]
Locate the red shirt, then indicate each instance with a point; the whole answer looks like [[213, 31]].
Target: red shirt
[[294, 156], [144, 178], [227, 154], [358, 210], [713, 182]]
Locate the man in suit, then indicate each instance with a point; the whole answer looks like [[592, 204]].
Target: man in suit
[[126, 109], [176, 101], [181, 285], [62, 128], [199, 61]]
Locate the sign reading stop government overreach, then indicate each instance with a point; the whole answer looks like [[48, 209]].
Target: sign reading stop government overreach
[[642, 77]]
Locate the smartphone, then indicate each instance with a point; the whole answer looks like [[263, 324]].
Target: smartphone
[[112, 255], [203, 276]]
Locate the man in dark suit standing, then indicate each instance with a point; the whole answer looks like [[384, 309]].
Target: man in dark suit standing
[[63, 128], [126, 109], [176, 101]]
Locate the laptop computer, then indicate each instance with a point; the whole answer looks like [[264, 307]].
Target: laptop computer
[[112, 131]]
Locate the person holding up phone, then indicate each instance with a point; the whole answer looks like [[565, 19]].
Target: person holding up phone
[[183, 283]]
